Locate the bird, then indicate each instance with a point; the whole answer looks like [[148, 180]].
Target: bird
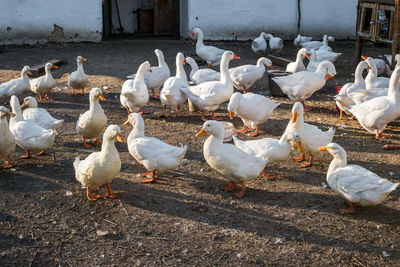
[[152, 153], [372, 80], [40, 115], [158, 75], [298, 65], [78, 79], [211, 54], [201, 75], [44, 84], [275, 44], [301, 39], [7, 140], [231, 162], [92, 122], [16, 86], [317, 44], [100, 167], [356, 184], [259, 44]]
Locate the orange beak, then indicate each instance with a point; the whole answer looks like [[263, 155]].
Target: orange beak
[[328, 76], [127, 122], [24, 105], [120, 138], [84, 59], [308, 55], [235, 56], [294, 117], [193, 33], [365, 58], [150, 70], [102, 97], [231, 115], [270, 67], [54, 67], [29, 72], [184, 61], [200, 133], [322, 148]]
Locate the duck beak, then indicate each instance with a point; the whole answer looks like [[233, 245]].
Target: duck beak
[[120, 138], [294, 117], [184, 61], [200, 133], [231, 115], [328, 76], [365, 58], [369, 67], [299, 147], [84, 59], [270, 67], [150, 70], [193, 33], [54, 67], [235, 56], [29, 72], [127, 122], [322, 148], [10, 114], [102, 97], [308, 55], [24, 105]]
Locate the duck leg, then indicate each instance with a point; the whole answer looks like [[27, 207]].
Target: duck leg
[[178, 113], [73, 91], [240, 194], [8, 164], [40, 96], [40, 153], [143, 112], [152, 179], [229, 187], [96, 142], [210, 66], [163, 115], [243, 130], [304, 106], [91, 196], [245, 90], [109, 193], [255, 133], [82, 91], [203, 118], [341, 115], [84, 142], [267, 176], [46, 96], [213, 116], [27, 155], [380, 136], [301, 158], [309, 163], [351, 208]]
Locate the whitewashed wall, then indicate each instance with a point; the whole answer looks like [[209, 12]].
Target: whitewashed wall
[[32, 21], [242, 20]]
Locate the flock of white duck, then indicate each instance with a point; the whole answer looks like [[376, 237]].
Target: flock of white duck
[[373, 101]]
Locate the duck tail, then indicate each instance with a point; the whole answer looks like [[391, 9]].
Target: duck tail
[[57, 125], [182, 152], [76, 163], [132, 76], [393, 187]]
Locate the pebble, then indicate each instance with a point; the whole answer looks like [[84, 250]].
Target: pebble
[[324, 185], [102, 232], [239, 255], [68, 193], [385, 254]]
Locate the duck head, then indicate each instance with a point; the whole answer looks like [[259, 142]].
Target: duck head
[[80, 59], [233, 104], [196, 32], [26, 69], [334, 149], [96, 94], [49, 66], [214, 128], [5, 112], [29, 101], [113, 132], [266, 61], [304, 52], [297, 111]]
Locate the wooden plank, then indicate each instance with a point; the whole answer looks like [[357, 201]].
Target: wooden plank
[[37, 70], [279, 60]]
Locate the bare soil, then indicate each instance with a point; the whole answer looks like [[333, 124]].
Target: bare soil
[[186, 218]]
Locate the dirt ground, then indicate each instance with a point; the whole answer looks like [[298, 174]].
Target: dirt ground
[[186, 218]]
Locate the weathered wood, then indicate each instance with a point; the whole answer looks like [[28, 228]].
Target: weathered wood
[[37, 70], [279, 60]]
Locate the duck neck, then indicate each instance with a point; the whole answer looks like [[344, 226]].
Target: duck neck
[[161, 60], [261, 64], [298, 125], [393, 93], [338, 161], [94, 103], [180, 71], [299, 57], [313, 56], [137, 130], [4, 130], [372, 72], [199, 42], [16, 109], [325, 40], [212, 142], [24, 75], [194, 67], [358, 78], [80, 66], [224, 69], [140, 73], [108, 146]]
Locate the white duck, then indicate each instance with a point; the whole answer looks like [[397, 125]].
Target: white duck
[[7, 140], [28, 134], [325, 46], [16, 86], [259, 45], [44, 84], [243, 77], [100, 167], [356, 184], [134, 94], [201, 75], [376, 113], [208, 96], [171, 95], [382, 67], [40, 115], [152, 153], [298, 65], [310, 136], [301, 39], [343, 98], [270, 149], [158, 75], [372, 80], [253, 109], [230, 161], [317, 44], [92, 122], [211, 54], [301, 85], [78, 79], [327, 55], [275, 44]]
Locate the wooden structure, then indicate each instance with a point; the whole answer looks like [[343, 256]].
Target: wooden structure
[[370, 27]]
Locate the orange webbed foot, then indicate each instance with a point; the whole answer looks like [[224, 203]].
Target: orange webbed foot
[[148, 180], [41, 153], [229, 187]]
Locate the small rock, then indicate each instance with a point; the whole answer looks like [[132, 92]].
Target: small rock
[[391, 173], [115, 97], [178, 224], [378, 226], [102, 232], [343, 126], [278, 240], [20, 236], [318, 119], [13, 169], [148, 254], [202, 170], [240, 256], [324, 185], [385, 254], [40, 165], [105, 87], [68, 193]]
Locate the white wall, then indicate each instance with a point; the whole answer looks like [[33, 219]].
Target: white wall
[[242, 20], [31, 21]]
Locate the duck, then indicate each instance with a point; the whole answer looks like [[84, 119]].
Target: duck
[[312, 62], [29, 135], [343, 98], [298, 65], [269, 149], [92, 122], [317, 44], [7, 141], [16, 86], [100, 167], [39, 115], [301, 85], [275, 44], [253, 109], [231, 162], [208, 96], [158, 75], [355, 183], [382, 67], [325, 46], [152, 153], [359, 97], [78, 79], [301, 39], [211, 54], [375, 114], [201, 75], [243, 77], [170, 94], [134, 94], [309, 137], [44, 84], [259, 44], [327, 55], [372, 80]]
